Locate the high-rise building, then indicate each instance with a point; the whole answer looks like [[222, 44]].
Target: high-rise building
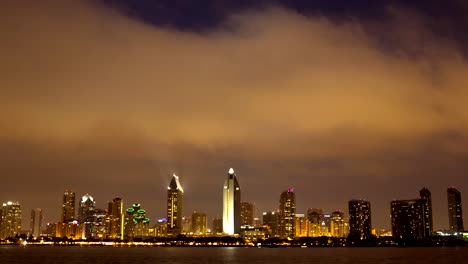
[[425, 196], [287, 214], [247, 214], [136, 222], [455, 212], [68, 207], [10, 219], [231, 204], [199, 223], [99, 227], [217, 225], [360, 225], [186, 225], [36, 222], [301, 225], [314, 220], [175, 196], [86, 214], [115, 229], [270, 221], [337, 224], [407, 219]]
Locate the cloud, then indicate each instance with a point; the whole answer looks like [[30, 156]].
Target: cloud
[[92, 96]]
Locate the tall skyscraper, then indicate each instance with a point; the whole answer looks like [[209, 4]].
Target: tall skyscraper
[[314, 218], [247, 213], [136, 222], [175, 196], [86, 214], [36, 222], [301, 225], [199, 223], [11, 220], [68, 207], [455, 209], [337, 224], [270, 220], [425, 196], [231, 204], [360, 224], [116, 219], [287, 214], [407, 219]]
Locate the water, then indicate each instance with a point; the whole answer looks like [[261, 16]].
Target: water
[[141, 255]]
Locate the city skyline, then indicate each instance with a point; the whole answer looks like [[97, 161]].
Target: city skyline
[[339, 99]]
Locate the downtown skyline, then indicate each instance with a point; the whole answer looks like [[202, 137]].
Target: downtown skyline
[[339, 99]]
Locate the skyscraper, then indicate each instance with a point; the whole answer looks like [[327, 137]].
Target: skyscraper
[[86, 213], [36, 222], [425, 196], [337, 224], [301, 225], [455, 209], [314, 219], [247, 213], [217, 226], [175, 196], [407, 219], [68, 207], [270, 220], [231, 204], [116, 219], [287, 214], [359, 219], [136, 222], [199, 223], [11, 220]]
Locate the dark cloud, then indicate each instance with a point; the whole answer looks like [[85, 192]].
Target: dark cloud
[[96, 101]]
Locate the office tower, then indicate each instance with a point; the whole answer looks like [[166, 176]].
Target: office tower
[[99, 227], [455, 209], [325, 225], [175, 196], [186, 225], [270, 221], [360, 225], [86, 214], [314, 219], [247, 214], [116, 219], [231, 205], [136, 222], [217, 225], [425, 196], [68, 207], [337, 224], [301, 225], [287, 214], [199, 223], [36, 222], [11, 220], [408, 219]]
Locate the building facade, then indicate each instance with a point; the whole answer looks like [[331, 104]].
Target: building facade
[[86, 212], [10, 224], [455, 212], [407, 219], [287, 214], [270, 222], [426, 200], [199, 224], [337, 224], [175, 196], [68, 207], [136, 222], [36, 222], [247, 214], [115, 219], [231, 204], [360, 224]]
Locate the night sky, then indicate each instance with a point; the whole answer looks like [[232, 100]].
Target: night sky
[[338, 99]]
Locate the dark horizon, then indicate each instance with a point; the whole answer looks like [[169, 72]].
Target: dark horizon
[[341, 100]]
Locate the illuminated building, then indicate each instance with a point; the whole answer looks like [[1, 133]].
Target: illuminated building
[[257, 222], [231, 205], [51, 230], [253, 233], [10, 220], [407, 219], [247, 213], [199, 223], [360, 224], [136, 222], [99, 227], [314, 219], [86, 214], [287, 214], [325, 225], [175, 196], [36, 222], [72, 230], [337, 224], [301, 225], [68, 207], [186, 225], [455, 209], [160, 229], [270, 221], [115, 229], [217, 225], [425, 196]]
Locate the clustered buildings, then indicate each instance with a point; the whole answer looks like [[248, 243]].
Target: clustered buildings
[[410, 219]]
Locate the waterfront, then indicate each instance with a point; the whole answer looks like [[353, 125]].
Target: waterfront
[[143, 255]]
